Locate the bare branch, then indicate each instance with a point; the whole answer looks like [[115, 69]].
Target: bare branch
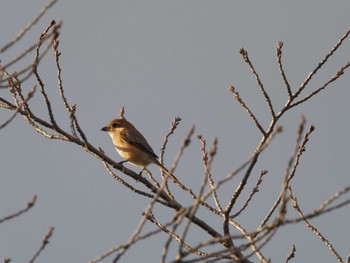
[[35, 70], [255, 190], [312, 228], [244, 106], [30, 204], [28, 26], [279, 62], [139, 238], [323, 207], [29, 96], [44, 243], [291, 174], [142, 222], [335, 77], [121, 112], [291, 254], [208, 173], [320, 64], [185, 143], [244, 54]]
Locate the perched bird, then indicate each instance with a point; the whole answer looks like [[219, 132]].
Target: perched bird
[[133, 147]]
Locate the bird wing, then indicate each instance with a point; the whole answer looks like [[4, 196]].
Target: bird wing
[[138, 141]]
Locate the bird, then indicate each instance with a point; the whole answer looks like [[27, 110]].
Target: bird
[[133, 147]]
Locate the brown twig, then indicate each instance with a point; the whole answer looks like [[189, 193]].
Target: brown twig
[[312, 228], [28, 97], [280, 66], [130, 187], [244, 106], [28, 26], [245, 56], [139, 238], [322, 209], [173, 235], [185, 143], [38, 78], [44, 243], [30, 204], [253, 192], [208, 173], [320, 64], [142, 222], [325, 85], [291, 254], [282, 194], [174, 125]]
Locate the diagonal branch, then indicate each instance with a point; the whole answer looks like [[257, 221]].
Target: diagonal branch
[[244, 54], [251, 114], [28, 26], [335, 77], [30, 205], [320, 64], [312, 228]]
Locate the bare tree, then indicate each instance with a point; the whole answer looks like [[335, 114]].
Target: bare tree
[[220, 246]]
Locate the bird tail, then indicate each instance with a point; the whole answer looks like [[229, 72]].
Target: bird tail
[[171, 176]]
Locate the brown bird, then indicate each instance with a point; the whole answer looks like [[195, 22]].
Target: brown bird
[[133, 146]]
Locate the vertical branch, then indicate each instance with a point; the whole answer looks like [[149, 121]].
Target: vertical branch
[[35, 70], [70, 109], [174, 125], [208, 173], [185, 143], [291, 254], [279, 62]]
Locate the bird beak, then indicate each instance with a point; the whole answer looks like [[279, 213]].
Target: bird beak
[[104, 129]]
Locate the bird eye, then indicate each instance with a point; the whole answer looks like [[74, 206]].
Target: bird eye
[[115, 125]]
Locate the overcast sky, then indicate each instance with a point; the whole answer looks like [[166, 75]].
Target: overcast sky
[[162, 59]]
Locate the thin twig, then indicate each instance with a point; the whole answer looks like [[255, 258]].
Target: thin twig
[[291, 254], [320, 64], [35, 70], [44, 243], [254, 191], [119, 247], [29, 96], [335, 77], [251, 238], [280, 66], [130, 187], [30, 204], [185, 143], [174, 235], [174, 125], [244, 106], [142, 222], [28, 26], [208, 173], [312, 228], [300, 130], [245, 56]]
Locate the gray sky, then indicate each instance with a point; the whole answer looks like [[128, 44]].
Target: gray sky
[[162, 59]]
